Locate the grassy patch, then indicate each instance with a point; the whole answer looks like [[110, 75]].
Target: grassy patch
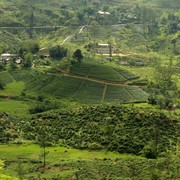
[[14, 106], [103, 72], [13, 89], [143, 72], [67, 163], [33, 151], [5, 77]]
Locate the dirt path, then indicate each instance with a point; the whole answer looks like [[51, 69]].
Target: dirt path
[[119, 54], [93, 79], [81, 29], [104, 93], [65, 40]]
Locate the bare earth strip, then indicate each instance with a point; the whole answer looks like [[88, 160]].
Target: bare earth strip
[[104, 93], [94, 79]]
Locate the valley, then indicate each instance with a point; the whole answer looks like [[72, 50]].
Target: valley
[[89, 89]]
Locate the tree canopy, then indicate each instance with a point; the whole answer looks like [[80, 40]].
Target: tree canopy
[[78, 55], [58, 52]]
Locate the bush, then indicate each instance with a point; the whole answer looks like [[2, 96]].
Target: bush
[[95, 146], [1, 86], [58, 52]]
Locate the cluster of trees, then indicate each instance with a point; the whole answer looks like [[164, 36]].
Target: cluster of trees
[[115, 128], [59, 52], [164, 91]]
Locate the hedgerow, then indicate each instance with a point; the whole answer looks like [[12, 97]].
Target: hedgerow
[[115, 128]]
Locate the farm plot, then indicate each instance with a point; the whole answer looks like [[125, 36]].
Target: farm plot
[[83, 90], [81, 69], [106, 73], [90, 92], [50, 87], [127, 74], [103, 72], [14, 107], [67, 86], [117, 94], [5, 77], [137, 93], [22, 75], [59, 86]]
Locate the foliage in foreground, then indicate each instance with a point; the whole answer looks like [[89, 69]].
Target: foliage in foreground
[[115, 128], [128, 167]]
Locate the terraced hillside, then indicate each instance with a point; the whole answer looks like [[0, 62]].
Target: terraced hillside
[[102, 72], [79, 88]]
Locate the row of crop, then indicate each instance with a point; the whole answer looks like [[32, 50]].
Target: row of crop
[[67, 86], [90, 92], [127, 74], [102, 72], [5, 77], [117, 94], [81, 69], [83, 90], [106, 73], [137, 93], [22, 75]]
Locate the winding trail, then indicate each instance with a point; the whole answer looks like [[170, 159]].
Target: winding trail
[[81, 29], [102, 81], [65, 40]]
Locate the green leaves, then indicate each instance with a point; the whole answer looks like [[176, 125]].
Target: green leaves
[[116, 128]]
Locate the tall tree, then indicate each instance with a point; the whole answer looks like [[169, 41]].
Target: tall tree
[[43, 139], [28, 60], [78, 55], [31, 24], [58, 52]]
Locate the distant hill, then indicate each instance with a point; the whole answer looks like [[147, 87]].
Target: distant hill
[[35, 19]]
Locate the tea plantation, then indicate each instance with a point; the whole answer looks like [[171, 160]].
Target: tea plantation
[[102, 72], [80, 88]]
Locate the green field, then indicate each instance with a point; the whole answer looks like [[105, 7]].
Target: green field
[[5, 77], [102, 72], [86, 91], [90, 92], [13, 89], [118, 94], [66, 160], [23, 161], [14, 106]]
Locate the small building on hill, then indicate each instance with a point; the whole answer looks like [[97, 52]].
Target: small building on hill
[[103, 13], [106, 48], [7, 57], [44, 53]]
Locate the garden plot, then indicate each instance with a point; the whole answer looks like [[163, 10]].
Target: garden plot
[[117, 94], [137, 93], [5, 77], [90, 92]]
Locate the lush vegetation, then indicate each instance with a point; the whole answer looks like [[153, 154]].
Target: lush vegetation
[[147, 133], [115, 128], [102, 77], [88, 91], [67, 163]]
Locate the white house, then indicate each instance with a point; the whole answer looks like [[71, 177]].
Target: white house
[[103, 13], [7, 57], [105, 49]]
